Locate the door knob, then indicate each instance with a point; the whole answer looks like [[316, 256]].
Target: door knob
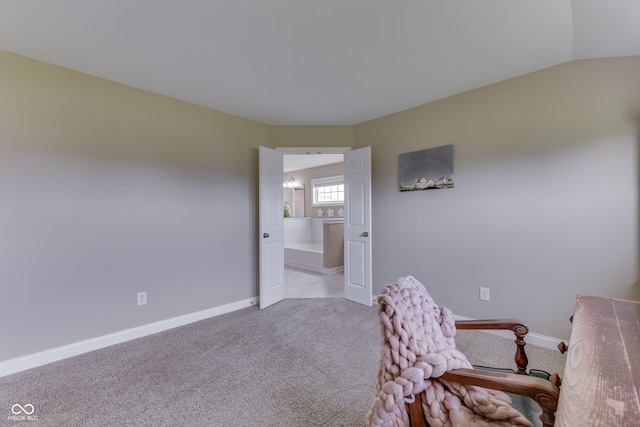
[[265, 235], [365, 234]]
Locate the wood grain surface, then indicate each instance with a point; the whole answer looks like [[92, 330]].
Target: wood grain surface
[[602, 374]]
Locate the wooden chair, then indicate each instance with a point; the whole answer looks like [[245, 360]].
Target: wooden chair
[[418, 340], [544, 391]]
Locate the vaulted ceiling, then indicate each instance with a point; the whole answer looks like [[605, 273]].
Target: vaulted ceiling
[[304, 62]]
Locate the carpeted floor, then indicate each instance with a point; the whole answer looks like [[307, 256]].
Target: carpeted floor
[[301, 362]]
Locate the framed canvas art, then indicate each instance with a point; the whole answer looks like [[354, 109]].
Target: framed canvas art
[[429, 169]]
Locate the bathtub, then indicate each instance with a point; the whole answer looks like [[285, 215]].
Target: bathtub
[[307, 239], [304, 255]]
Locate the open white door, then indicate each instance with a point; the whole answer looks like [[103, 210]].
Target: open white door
[[357, 225], [271, 232]]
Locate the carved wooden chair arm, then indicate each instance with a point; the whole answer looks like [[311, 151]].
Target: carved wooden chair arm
[[544, 392], [518, 328]]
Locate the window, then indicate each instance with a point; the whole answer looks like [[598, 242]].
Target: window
[[328, 191]]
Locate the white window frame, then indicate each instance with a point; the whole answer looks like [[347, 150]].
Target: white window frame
[[323, 182]]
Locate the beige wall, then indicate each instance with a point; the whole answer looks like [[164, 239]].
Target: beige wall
[[545, 204], [312, 136], [107, 191]]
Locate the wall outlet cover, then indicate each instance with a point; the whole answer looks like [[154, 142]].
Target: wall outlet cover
[[484, 294], [142, 298]]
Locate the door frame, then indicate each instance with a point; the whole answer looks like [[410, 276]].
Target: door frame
[[313, 150]]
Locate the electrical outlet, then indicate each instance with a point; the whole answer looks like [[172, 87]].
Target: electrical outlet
[[142, 298], [484, 294]]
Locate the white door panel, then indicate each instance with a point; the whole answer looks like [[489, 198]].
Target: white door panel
[[357, 226], [271, 233]]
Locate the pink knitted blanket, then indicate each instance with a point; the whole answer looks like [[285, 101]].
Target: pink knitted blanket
[[418, 347]]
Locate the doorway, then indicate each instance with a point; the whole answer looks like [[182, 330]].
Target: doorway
[[313, 233], [356, 228]]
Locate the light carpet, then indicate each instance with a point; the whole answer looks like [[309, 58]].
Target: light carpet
[[301, 362]]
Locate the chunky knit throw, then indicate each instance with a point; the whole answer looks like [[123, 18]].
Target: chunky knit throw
[[418, 347]]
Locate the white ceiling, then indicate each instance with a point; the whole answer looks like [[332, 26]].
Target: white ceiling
[[326, 62]]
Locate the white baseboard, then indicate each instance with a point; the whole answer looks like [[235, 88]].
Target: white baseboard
[[303, 265], [333, 270], [531, 338], [23, 363]]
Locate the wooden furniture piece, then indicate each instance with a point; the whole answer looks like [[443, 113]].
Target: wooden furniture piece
[[601, 385], [544, 392]]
